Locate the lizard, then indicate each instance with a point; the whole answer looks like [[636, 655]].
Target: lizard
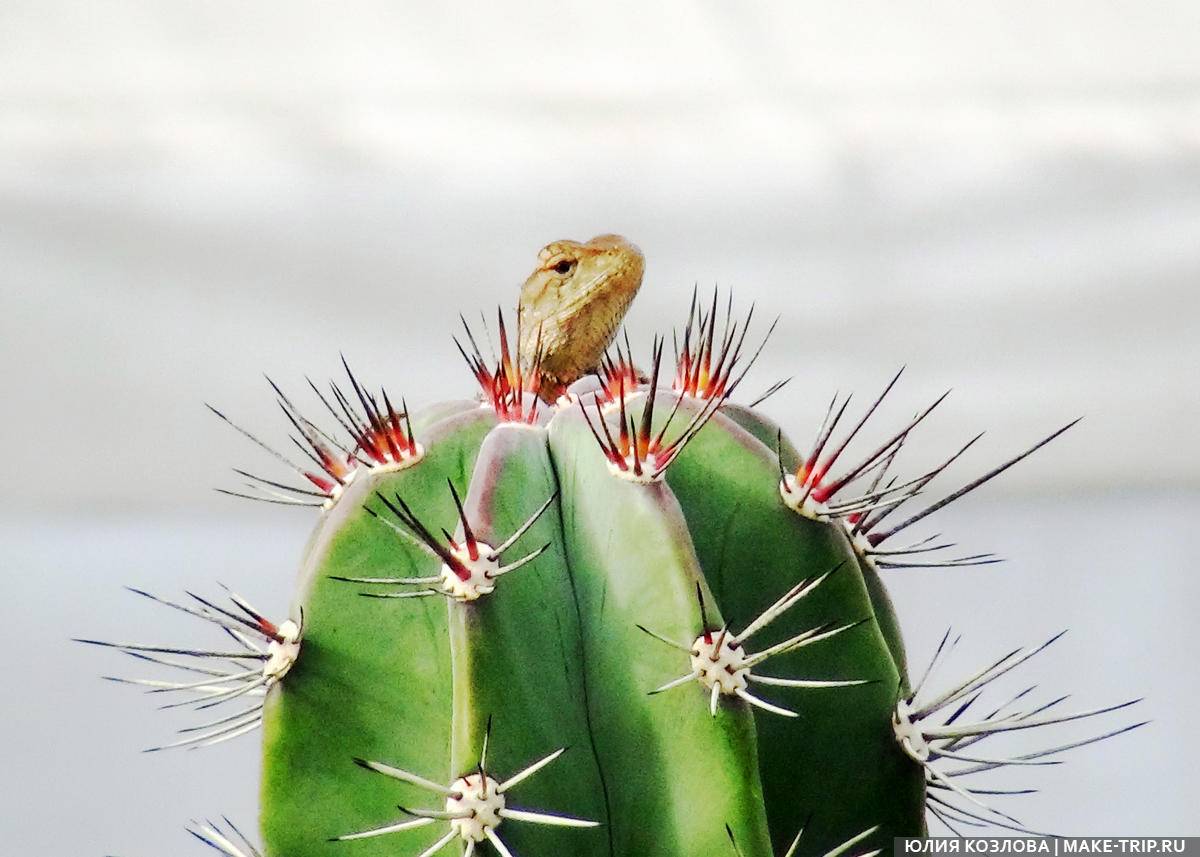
[[571, 306]]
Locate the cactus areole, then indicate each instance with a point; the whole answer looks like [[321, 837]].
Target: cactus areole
[[608, 613]]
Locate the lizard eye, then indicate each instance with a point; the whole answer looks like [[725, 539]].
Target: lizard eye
[[564, 267]]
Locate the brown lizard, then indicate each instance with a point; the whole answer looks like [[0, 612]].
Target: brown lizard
[[572, 305]]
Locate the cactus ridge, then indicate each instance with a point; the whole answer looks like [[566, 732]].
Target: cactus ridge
[[649, 517]]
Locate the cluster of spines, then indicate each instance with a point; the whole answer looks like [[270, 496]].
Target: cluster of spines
[[931, 738], [510, 383], [811, 491], [380, 437], [617, 375], [721, 664], [470, 568], [476, 805], [271, 650], [705, 367], [636, 451]]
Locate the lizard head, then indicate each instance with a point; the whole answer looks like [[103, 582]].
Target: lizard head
[[573, 303]]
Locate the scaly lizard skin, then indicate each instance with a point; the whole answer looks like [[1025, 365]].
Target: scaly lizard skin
[[572, 305]]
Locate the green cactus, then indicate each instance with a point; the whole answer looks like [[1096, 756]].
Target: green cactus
[[632, 622]]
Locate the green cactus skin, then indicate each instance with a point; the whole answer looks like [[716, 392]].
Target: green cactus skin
[[366, 684], [664, 757], [767, 432], [751, 546], [633, 641], [554, 656], [526, 677]]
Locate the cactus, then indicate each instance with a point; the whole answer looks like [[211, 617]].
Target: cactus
[[632, 621]]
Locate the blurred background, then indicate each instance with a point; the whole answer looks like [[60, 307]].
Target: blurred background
[[1003, 196]]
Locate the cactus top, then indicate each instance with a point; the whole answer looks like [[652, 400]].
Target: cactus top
[[573, 303]]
